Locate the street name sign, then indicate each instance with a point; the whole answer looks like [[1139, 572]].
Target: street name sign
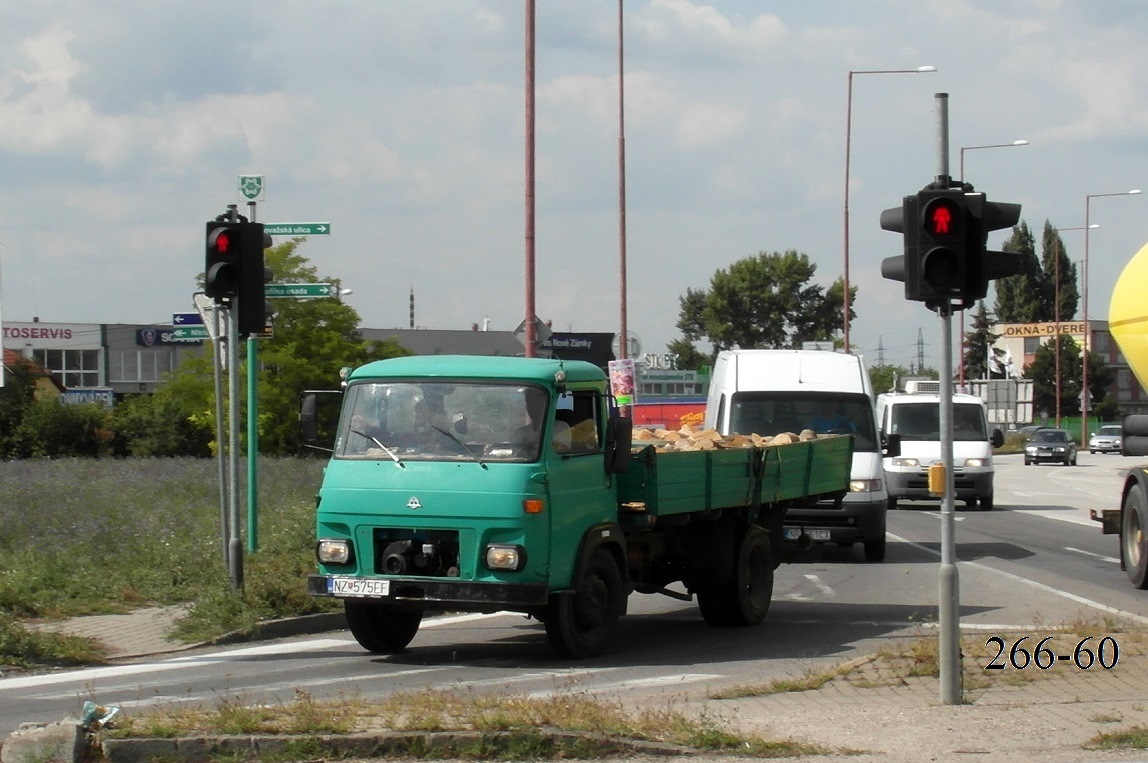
[[189, 333], [300, 290], [297, 229]]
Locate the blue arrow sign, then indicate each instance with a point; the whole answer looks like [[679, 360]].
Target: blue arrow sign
[[186, 319]]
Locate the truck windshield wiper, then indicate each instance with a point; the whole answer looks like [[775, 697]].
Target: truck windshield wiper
[[470, 450], [384, 448]]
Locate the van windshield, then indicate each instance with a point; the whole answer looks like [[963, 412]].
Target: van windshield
[[921, 421], [771, 413]]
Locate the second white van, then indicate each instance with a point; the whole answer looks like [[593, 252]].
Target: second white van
[[915, 418]]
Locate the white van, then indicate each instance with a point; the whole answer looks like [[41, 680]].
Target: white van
[[774, 391], [915, 419]]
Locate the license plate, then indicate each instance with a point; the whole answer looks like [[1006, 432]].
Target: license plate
[[793, 533], [358, 587]]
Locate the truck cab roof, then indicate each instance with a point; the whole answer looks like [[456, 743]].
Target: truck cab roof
[[542, 370]]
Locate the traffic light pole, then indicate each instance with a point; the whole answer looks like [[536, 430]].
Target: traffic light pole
[[948, 581], [235, 543]]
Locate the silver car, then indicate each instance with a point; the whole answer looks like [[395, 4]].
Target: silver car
[[1108, 439]]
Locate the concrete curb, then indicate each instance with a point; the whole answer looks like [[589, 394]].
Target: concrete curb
[[283, 628]]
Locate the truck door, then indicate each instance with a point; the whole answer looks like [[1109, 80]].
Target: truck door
[[581, 494]]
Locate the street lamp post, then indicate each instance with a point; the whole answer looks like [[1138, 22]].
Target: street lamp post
[[1086, 398], [1021, 142], [848, 138], [1056, 308]]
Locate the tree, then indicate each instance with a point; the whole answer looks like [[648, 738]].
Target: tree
[[1057, 265], [17, 397], [766, 301], [978, 343], [1018, 297], [1042, 371]]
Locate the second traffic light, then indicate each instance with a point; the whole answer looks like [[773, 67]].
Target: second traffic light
[[253, 278]]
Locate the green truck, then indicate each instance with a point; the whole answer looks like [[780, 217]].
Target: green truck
[[467, 483]]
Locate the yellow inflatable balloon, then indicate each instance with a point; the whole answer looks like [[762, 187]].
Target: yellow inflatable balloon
[[1128, 314]]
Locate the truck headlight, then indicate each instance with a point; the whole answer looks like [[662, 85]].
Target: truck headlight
[[906, 461], [978, 462], [865, 486], [505, 557], [333, 551]]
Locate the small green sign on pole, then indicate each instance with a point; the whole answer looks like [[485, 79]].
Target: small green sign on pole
[[300, 290], [297, 229]]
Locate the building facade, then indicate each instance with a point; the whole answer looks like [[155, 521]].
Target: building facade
[[1018, 343]]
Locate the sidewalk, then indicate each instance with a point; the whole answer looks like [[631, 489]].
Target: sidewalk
[[870, 713]]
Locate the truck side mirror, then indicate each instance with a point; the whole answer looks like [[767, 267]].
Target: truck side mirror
[[619, 438], [308, 418], [997, 439], [892, 445]]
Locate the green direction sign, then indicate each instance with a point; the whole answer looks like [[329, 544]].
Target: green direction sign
[[189, 333], [300, 290], [297, 229]]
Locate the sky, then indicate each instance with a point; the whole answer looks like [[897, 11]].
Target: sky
[[124, 126]]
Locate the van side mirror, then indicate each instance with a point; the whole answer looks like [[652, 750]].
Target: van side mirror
[[308, 418], [997, 439], [619, 438], [891, 445]]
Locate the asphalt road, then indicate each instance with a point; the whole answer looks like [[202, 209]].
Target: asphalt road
[[1033, 562]]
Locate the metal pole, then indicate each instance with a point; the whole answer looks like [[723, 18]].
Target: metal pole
[[1056, 316], [530, 338], [948, 583], [217, 351], [848, 149], [252, 429], [235, 544], [948, 579]]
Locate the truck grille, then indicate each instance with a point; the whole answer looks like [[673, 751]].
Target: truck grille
[[429, 553]]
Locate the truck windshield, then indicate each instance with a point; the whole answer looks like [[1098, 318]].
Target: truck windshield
[[440, 421], [921, 421], [771, 413]]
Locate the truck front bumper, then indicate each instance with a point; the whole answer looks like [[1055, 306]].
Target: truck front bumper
[[439, 593]]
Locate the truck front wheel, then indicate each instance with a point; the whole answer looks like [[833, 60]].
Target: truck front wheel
[[380, 628], [1133, 542], [580, 623], [745, 599]]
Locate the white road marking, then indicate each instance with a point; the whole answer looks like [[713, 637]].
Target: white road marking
[[1111, 559], [821, 585], [197, 661], [680, 678], [1034, 584]]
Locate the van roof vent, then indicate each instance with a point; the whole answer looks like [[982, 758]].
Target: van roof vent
[[923, 386]]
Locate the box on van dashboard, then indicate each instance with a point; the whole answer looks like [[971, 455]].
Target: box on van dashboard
[[772, 391]]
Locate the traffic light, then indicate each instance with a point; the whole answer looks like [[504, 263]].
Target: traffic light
[[221, 267], [903, 267], [253, 277], [984, 266], [942, 245]]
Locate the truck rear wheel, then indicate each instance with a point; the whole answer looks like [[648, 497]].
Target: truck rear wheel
[[379, 628], [581, 623], [745, 598], [1133, 541]]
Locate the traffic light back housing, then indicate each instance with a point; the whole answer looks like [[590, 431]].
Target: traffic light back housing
[[253, 277]]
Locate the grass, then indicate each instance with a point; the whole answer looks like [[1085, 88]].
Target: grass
[[87, 536], [499, 726]]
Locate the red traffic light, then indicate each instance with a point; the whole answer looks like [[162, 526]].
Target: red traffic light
[[941, 217], [220, 240]]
